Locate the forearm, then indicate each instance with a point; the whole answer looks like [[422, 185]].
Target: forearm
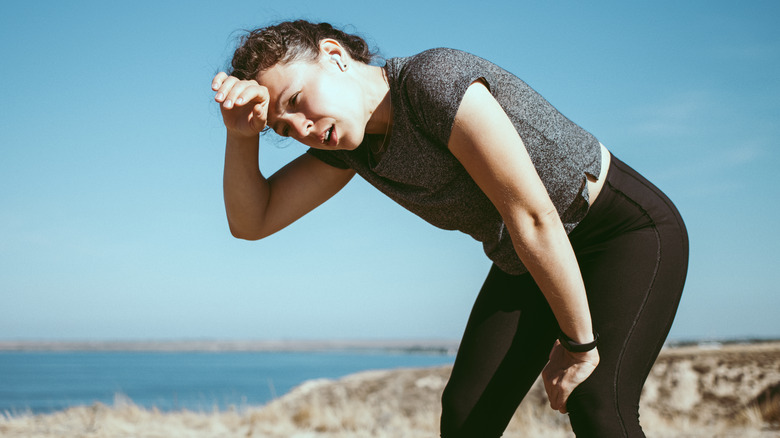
[[486, 142], [246, 191], [544, 248]]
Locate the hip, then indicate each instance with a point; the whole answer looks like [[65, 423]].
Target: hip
[[627, 202]]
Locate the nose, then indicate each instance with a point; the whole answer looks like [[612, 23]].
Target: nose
[[300, 125]]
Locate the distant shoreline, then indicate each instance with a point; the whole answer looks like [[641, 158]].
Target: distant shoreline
[[443, 347], [431, 346]]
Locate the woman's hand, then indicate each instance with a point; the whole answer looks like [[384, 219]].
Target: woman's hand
[[244, 104], [564, 372]]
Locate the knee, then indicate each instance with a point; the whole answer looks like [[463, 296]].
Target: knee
[[600, 415], [453, 414], [457, 414], [467, 417]]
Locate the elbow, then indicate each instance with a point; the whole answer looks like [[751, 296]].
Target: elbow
[[544, 219], [531, 225], [246, 233], [246, 236]]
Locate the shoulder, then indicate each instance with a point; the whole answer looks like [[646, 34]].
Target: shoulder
[[442, 73], [442, 62], [432, 83], [443, 55]]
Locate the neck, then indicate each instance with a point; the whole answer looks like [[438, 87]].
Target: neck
[[377, 92]]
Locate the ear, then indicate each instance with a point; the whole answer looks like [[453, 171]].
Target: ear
[[330, 47], [332, 52]]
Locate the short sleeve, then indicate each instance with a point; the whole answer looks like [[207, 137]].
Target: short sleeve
[[435, 82], [328, 157]]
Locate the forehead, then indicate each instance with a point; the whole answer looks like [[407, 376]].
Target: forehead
[[281, 80], [281, 76]]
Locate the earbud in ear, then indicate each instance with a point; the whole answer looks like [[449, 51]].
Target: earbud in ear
[[337, 59]]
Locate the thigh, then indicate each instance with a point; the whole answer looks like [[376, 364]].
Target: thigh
[[634, 264], [506, 344]]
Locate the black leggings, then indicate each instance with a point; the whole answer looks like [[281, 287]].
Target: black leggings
[[632, 250]]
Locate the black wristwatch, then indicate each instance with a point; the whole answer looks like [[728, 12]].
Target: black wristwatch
[[569, 344]]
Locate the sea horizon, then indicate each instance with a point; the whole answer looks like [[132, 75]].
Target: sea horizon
[[417, 346]]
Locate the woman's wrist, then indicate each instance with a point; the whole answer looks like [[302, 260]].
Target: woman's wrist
[[239, 138], [578, 347]]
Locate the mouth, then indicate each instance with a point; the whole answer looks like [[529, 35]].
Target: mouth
[[328, 135]]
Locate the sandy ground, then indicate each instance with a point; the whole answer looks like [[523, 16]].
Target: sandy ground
[[711, 391]]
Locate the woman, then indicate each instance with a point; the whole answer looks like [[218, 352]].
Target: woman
[[589, 258]]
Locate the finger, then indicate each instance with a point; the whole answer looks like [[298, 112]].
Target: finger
[[562, 404], [218, 79], [260, 119], [555, 402], [549, 390], [568, 386], [555, 346], [547, 380], [225, 87], [563, 398], [249, 92], [232, 95], [241, 93], [553, 392]]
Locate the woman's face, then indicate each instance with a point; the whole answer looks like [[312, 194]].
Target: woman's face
[[316, 103]]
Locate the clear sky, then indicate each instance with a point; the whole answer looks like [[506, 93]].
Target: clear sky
[[111, 149]]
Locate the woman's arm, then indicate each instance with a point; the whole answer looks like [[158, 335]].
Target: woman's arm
[[258, 207], [487, 144]]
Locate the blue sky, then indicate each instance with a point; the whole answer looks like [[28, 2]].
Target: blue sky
[[111, 149]]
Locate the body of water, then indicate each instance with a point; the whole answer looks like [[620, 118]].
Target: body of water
[[49, 381]]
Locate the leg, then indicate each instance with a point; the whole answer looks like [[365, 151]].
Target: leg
[[633, 255], [505, 346]]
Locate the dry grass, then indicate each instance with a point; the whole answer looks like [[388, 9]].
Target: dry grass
[[692, 392]]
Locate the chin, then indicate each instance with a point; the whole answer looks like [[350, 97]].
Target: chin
[[346, 144], [350, 147]]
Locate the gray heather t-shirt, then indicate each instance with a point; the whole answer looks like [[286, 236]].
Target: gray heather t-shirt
[[418, 171]]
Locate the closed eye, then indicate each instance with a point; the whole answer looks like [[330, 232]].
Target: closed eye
[[294, 99], [291, 102]]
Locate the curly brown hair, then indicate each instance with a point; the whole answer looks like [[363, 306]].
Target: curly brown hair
[[288, 41]]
